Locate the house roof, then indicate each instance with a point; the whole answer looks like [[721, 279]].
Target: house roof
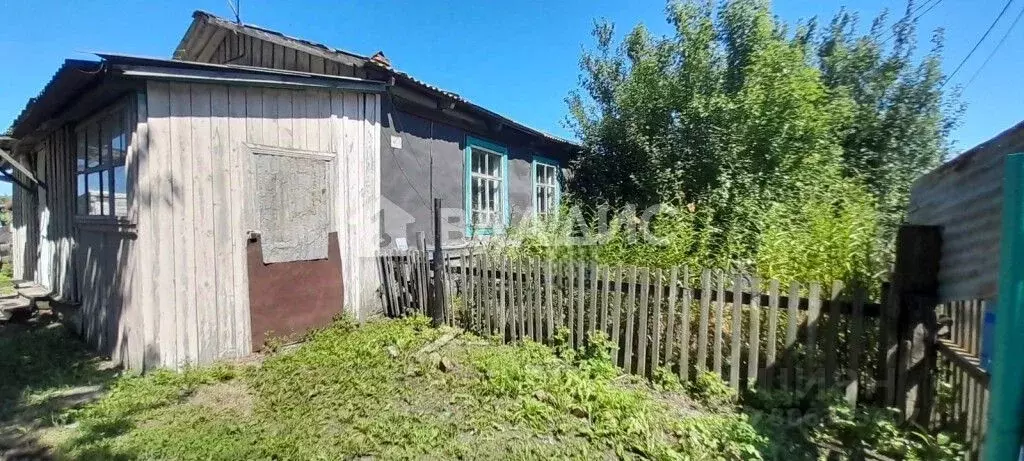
[[76, 76], [202, 18]]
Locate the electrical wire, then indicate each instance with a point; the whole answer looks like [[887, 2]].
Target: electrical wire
[[934, 3], [1002, 40], [976, 45]]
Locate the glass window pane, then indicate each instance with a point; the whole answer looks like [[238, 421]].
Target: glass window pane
[[118, 142], [107, 131], [92, 146], [495, 165], [120, 191], [82, 198], [477, 161], [105, 193], [80, 151], [93, 192]]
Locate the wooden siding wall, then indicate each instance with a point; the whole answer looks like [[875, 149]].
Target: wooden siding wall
[[243, 50], [193, 205], [69, 258], [55, 208], [25, 225], [965, 198]]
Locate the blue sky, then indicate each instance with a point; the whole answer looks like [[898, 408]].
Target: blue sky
[[516, 57]]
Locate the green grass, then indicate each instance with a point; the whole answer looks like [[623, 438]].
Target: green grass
[[352, 392], [372, 391]]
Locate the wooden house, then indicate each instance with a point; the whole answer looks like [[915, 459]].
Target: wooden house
[[185, 209]]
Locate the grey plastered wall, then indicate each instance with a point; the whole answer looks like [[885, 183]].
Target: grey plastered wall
[[406, 175]]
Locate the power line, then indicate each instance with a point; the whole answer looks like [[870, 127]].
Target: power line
[[976, 45], [1002, 40], [934, 3]]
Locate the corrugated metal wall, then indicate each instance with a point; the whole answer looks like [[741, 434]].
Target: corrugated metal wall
[[191, 283], [965, 198]]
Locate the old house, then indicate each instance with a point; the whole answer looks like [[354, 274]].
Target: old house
[[186, 208]]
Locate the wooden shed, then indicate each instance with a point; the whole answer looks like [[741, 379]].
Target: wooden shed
[[964, 197], [189, 209]]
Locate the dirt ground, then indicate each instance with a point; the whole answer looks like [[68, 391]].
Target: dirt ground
[[44, 371]]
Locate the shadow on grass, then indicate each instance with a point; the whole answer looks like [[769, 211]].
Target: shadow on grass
[[44, 371]]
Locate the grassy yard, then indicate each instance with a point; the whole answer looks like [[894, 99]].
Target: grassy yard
[[400, 389]]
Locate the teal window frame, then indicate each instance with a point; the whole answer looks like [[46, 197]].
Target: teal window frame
[[497, 149], [539, 160]]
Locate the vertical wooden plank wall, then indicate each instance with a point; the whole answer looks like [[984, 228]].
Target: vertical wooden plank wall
[[193, 214]]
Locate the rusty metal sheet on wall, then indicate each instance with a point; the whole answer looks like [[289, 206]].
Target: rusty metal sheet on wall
[[289, 298]]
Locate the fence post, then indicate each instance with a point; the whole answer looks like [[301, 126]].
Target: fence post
[[437, 309], [914, 295]]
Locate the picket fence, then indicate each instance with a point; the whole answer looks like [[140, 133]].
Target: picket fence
[[961, 385], [752, 332]]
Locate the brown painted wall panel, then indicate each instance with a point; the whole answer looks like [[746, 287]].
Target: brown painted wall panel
[[287, 299]]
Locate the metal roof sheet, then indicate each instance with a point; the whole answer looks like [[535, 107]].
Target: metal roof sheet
[[76, 76], [349, 56]]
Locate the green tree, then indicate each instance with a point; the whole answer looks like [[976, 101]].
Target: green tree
[[784, 142], [726, 114], [902, 119]]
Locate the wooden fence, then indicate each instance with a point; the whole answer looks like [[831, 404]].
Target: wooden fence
[[752, 332], [961, 385]]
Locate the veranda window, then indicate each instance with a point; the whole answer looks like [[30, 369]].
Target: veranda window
[[546, 193], [488, 189], [101, 145]]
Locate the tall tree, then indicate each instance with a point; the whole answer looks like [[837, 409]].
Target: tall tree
[[902, 119], [726, 114], [742, 116]]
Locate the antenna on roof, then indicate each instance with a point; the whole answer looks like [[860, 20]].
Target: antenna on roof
[[236, 6]]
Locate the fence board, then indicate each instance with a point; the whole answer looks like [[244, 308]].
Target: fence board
[[616, 328], [684, 337], [719, 320], [549, 311], [605, 305], [656, 313], [813, 317], [581, 297], [736, 333], [538, 297], [629, 305], [520, 280], [486, 276], [505, 294], [754, 347], [832, 333], [773, 326], [856, 343], [670, 317], [593, 290], [702, 328], [642, 332]]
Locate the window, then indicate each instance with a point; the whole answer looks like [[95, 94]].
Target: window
[[546, 193], [102, 144], [486, 187]]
